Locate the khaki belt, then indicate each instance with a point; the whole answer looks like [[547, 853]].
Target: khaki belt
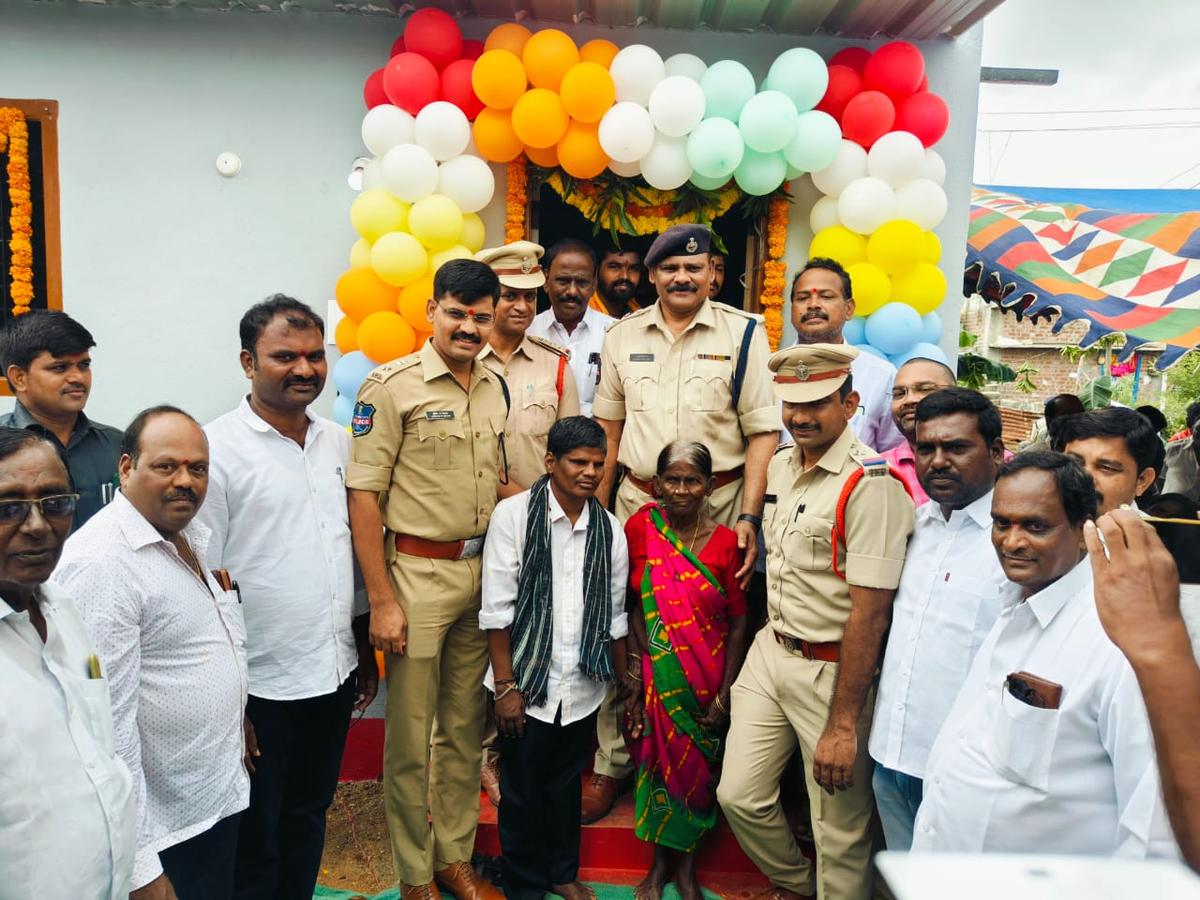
[[720, 479], [828, 652], [415, 546]]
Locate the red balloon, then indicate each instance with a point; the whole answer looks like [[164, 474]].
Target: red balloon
[[411, 82], [868, 117], [844, 84], [924, 85], [398, 46], [472, 49], [925, 115], [852, 58], [434, 34], [456, 87], [373, 92], [896, 69]]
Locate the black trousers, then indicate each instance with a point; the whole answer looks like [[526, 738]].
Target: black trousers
[[201, 868], [283, 832], [539, 804]]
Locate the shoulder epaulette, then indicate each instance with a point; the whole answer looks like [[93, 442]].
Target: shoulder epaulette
[[734, 311], [874, 465], [547, 344], [387, 370]]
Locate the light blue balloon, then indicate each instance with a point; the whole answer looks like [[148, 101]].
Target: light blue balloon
[[343, 409], [768, 121], [801, 74], [793, 173], [874, 351], [715, 148], [727, 86], [931, 328], [920, 350], [893, 328], [708, 184], [816, 143], [760, 173], [854, 331], [350, 371]]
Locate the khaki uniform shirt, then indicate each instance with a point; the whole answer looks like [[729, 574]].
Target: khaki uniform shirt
[[667, 388], [432, 448], [533, 377], [805, 599]]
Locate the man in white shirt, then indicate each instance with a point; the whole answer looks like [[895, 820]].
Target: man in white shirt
[[172, 642], [555, 568], [67, 816], [1047, 748], [276, 506], [951, 591], [570, 322], [822, 304]]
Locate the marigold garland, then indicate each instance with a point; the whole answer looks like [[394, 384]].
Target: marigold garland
[[516, 200], [14, 137], [775, 270]]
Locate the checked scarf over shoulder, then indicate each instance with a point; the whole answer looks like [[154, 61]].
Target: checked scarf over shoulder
[[531, 636]]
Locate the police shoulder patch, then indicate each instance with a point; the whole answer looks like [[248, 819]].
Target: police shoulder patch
[[545, 344], [875, 465], [363, 419]]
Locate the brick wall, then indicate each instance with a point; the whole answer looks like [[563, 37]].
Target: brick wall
[[1017, 425]]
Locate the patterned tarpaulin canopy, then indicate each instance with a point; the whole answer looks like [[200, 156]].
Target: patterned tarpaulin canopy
[[1126, 261]]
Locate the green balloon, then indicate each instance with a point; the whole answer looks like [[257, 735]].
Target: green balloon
[[715, 148], [816, 143], [768, 121], [801, 74], [708, 184], [760, 173], [727, 86]]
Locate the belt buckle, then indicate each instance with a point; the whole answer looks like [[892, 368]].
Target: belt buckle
[[471, 547]]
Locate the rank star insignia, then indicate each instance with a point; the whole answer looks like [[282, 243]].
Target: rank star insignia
[[802, 371], [691, 246], [527, 265]]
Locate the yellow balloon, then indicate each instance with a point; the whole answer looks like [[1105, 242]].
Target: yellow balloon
[[360, 254], [547, 57], [931, 248], [923, 287], [436, 221], [377, 212], [870, 285], [539, 119], [839, 243], [473, 235], [599, 51], [439, 259], [588, 92], [398, 258], [895, 246]]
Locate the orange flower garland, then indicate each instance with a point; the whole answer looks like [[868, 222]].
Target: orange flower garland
[[775, 270], [14, 137], [516, 200]]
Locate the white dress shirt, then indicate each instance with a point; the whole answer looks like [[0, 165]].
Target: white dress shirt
[[173, 648], [280, 526], [579, 695], [951, 592], [872, 423], [1007, 777], [583, 344], [68, 825]]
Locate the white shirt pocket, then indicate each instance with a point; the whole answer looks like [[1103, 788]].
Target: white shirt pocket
[[97, 711], [1022, 741]]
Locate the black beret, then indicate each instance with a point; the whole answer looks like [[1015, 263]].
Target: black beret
[[679, 240]]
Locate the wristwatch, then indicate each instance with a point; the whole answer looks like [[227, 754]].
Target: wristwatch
[[754, 520]]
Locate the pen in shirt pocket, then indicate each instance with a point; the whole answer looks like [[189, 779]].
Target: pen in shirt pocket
[[340, 474], [93, 667]]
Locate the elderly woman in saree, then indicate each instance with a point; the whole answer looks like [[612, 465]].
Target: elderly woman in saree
[[687, 641]]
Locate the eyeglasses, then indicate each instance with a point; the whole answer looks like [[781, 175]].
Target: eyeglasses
[[57, 506], [461, 315]]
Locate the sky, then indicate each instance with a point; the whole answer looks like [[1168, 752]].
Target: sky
[[1121, 65]]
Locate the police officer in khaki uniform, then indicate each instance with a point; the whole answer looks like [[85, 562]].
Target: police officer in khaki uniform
[[685, 368], [425, 459], [810, 675]]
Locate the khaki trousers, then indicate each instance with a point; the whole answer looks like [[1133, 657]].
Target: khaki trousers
[[781, 699], [434, 717]]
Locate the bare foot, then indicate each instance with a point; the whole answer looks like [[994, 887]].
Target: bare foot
[[685, 878], [651, 887], [576, 890]]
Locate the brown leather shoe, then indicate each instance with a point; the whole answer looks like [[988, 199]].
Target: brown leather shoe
[[490, 779], [427, 891], [600, 792], [461, 880]]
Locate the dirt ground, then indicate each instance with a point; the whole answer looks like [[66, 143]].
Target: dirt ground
[[357, 856]]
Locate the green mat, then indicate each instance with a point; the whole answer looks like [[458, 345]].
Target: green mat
[[603, 892]]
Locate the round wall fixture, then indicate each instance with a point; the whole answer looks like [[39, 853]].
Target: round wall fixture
[[229, 164]]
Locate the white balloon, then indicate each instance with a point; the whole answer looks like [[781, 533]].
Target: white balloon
[[666, 166], [626, 132], [410, 172], [686, 64], [866, 203], [373, 174], [385, 126], [934, 168], [442, 129], [676, 105], [850, 164], [824, 214], [921, 201], [635, 71], [468, 181], [625, 169], [897, 158]]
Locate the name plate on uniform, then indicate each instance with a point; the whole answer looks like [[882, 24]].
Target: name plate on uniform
[[641, 357], [471, 547], [714, 357], [437, 415]]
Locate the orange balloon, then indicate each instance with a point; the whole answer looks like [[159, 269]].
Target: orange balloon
[[361, 292], [498, 79], [539, 118], [384, 336], [421, 338], [346, 335], [599, 51], [546, 157], [587, 92], [548, 56], [579, 151], [494, 136], [413, 301], [510, 36]]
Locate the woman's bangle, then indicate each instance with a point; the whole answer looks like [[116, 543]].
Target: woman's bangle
[[504, 693], [505, 681], [720, 706], [633, 675]]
